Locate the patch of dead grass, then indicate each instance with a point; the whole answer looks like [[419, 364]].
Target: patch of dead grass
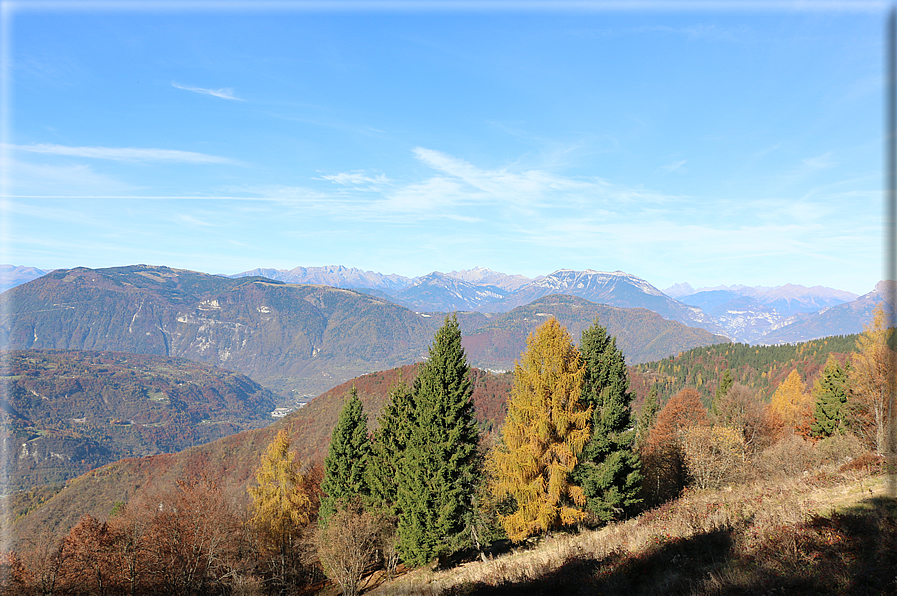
[[719, 537]]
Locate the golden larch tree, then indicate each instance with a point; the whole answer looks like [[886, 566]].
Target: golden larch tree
[[873, 382], [793, 404], [280, 506], [546, 428]]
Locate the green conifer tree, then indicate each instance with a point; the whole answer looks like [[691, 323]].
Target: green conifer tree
[[608, 469], [725, 383], [437, 476], [345, 467], [388, 447], [830, 393]]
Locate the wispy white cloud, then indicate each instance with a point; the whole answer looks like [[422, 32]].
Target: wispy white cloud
[[61, 179], [193, 221], [820, 162], [132, 154], [460, 191], [357, 180], [673, 166], [224, 93]]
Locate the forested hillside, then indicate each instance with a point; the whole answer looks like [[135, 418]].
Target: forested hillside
[[67, 411], [403, 476], [232, 460], [762, 368]]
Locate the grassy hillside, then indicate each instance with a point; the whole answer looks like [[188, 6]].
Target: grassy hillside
[[832, 532]]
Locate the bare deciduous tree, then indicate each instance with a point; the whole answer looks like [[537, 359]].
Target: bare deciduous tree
[[348, 545]]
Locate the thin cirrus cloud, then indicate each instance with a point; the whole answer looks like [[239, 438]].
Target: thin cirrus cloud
[[673, 166], [132, 154], [357, 180], [224, 93], [463, 191]]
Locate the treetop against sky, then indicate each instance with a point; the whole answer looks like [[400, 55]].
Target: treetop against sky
[[740, 144]]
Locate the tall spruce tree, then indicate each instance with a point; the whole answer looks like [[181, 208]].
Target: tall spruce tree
[[608, 469], [830, 393], [345, 467], [436, 477], [388, 447]]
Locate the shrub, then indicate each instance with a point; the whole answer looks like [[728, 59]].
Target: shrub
[[713, 454], [789, 457], [349, 544]]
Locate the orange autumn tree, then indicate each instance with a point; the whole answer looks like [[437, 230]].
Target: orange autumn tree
[[662, 454], [546, 428], [793, 404]]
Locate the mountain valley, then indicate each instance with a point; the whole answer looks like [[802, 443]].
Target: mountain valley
[[296, 339]]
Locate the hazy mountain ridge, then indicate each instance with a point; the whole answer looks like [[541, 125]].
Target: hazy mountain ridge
[[641, 334], [288, 337], [483, 276], [614, 289], [750, 313], [293, 338], [742, 313], [15, 275], [442, 293], [335, 276], [841, 319]]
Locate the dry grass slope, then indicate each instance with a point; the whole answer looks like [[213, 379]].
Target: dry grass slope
[[834, 532]]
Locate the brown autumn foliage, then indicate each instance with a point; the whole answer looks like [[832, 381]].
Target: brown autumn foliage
[[349, 544], [92, 565], [13, 574], [663, 459], [740, 408], [43, 559], [196, 538], [184, 541]]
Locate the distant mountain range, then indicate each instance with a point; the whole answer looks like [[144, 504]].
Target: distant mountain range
[[751, 314], [756, 314], [13, 275], [840, 319], [742, 313], [297, 339]]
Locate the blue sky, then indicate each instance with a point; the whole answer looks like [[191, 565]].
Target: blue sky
[[713, 144]]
